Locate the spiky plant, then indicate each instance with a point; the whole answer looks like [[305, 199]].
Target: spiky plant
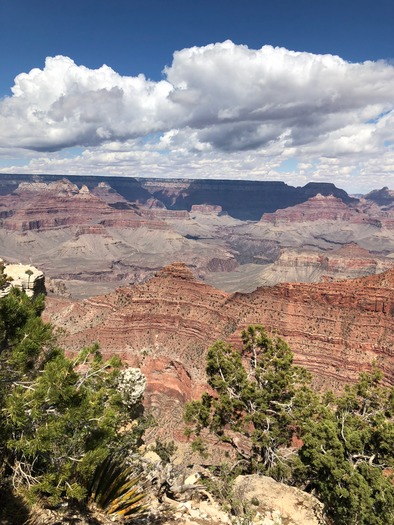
[[115, 490]]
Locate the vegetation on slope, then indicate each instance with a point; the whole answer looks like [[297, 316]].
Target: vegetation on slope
[[63, 420], [262, 402], [60, 418]]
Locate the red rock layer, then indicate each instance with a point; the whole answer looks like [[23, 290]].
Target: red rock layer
[[348, 262], [61, 204], [171, 315], [328, 208], [335, 329]]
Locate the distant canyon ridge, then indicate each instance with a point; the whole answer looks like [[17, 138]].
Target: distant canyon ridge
[[91, 234]]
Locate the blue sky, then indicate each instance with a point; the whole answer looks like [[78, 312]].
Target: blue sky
[[62, 116]]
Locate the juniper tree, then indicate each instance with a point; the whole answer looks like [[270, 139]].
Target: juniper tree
[[260, 398], [259, 395], [348, 452]]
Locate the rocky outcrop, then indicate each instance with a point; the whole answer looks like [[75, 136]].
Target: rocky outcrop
[[348, 262], [107, 194], [383, 197], [61, 204], [245, 200], [206, 209], [336, 329], [171, 316], [102, 233], [287, 505], [257, 499], [25, 277]]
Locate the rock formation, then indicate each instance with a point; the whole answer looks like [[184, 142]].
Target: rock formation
[[383, 197], [318, 208], [100, 233], [246, 200], [287, 504], [165, 326], [25, 277]]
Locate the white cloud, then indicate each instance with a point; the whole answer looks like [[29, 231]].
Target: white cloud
[[222, 109]]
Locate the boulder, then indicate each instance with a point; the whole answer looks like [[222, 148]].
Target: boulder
[[276, 503]]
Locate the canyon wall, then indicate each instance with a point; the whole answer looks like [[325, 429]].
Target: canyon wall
[[336, 329]]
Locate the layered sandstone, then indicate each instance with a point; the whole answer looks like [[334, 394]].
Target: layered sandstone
[[347, 262], [172, 315], [335, 329], [60, 204], [319, 208], [98, 234]]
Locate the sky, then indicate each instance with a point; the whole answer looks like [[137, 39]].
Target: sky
[[292, 90]]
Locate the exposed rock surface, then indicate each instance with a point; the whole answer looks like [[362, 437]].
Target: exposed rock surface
[[90, 238], [99, 233], [382, 197], [287, 505], [319, 208], [39, 206], [308, 266], [261, 500], [242, 199], [246, 200], [165, 326], [206, 208], [25, 277]]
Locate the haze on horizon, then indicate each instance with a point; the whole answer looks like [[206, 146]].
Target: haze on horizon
[[243, 97]]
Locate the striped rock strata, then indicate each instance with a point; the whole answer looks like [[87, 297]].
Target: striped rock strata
[[165, 326]]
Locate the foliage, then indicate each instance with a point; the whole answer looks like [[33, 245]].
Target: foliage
[[261, 401], [349, 453], [23, 335], [60, 417], [25, 343], [165, 450], [115, 490], [3, 277]]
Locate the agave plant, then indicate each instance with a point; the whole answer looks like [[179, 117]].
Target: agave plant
[[115, 490]]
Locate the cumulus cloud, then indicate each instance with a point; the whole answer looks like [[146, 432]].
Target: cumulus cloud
[[222, 104]]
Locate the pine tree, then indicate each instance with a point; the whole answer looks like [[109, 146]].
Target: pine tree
[[60, 417]]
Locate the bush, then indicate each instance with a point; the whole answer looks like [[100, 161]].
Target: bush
[[61, 417], [262, 400]]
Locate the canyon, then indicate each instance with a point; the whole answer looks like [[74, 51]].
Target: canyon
[[157, 270], [91, 235], [166, 324]]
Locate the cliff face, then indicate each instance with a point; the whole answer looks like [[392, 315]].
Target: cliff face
[[93, 239], [335, 329], [98, 236], [245, 200], [382, 197], [319, 208], [348, 262], [40, 206], [171, 315]]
